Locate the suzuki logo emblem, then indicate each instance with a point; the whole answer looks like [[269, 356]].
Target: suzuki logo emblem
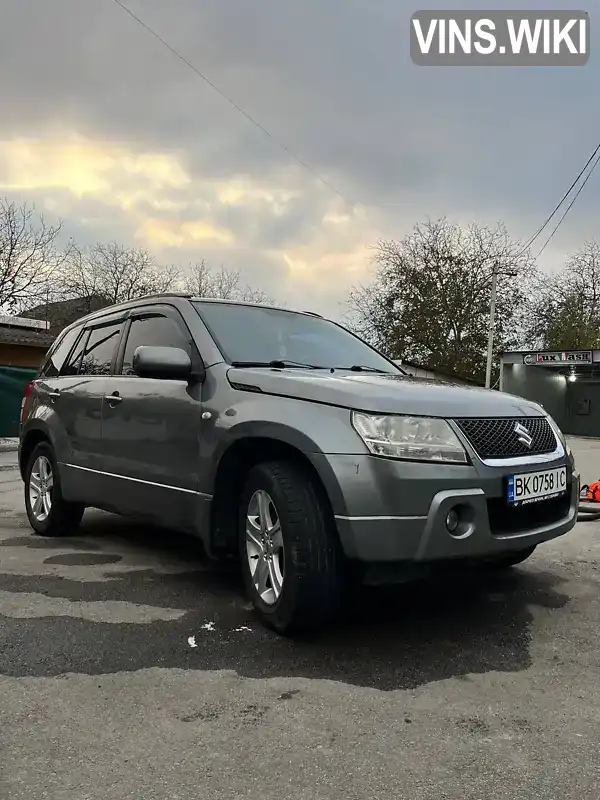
[[523, 435]]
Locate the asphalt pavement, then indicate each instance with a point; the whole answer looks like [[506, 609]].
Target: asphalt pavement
[[132, 668]]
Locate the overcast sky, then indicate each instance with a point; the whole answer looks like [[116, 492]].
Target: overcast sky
[[102, 126]]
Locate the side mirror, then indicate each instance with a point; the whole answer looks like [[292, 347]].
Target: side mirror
[[166, 363]]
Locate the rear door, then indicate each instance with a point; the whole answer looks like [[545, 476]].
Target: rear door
[[78, 399], [54, 399], [150, 427]]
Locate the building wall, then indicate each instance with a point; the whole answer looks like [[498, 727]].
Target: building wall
[[15, 355], [583, 409], [541, 386]]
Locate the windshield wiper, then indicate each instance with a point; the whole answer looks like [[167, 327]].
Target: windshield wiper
[[277, 363], [361, 368], [283, 363]]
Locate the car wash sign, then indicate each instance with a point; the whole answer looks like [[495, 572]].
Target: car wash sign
[[558, 359]]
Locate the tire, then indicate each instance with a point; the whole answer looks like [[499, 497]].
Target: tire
[[306, 557], [511, 559], [56, 516]]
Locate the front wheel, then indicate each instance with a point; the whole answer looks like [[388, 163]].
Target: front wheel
[[48, 512], [291, 557]]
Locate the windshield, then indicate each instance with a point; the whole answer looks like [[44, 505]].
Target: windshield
[[255, 335]]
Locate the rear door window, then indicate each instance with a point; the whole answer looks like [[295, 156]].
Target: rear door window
[[73, 362], [58, 354], [101, 349]]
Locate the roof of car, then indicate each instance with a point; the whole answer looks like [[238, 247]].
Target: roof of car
[[208, 300], [107, 310]]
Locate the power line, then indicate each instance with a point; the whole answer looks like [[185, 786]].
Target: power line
[[539, 231], [305, 165], [577, 193]]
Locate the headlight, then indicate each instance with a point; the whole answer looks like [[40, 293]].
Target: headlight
[[414, 438]]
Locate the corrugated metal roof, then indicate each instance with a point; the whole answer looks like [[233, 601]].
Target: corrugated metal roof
[[25, 338], [24, 322]]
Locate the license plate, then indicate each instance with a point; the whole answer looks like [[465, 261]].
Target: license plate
[[531, 487]]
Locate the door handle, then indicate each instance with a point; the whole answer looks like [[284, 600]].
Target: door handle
[[113, 398]]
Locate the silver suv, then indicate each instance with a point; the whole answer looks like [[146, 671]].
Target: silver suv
[[283, 438]]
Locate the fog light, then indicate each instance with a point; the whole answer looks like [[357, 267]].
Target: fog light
[[452, 520]]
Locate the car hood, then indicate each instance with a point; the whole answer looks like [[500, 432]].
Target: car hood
[[388, 394]]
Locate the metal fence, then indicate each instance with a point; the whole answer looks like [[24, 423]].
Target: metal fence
[[13, 381]]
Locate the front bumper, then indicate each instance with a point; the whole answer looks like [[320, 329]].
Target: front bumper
[[391, 511]]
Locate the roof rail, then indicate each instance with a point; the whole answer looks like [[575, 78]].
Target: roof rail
[[185, 295]]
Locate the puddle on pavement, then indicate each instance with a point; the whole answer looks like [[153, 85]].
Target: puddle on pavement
[[39, 543], [82, 559]]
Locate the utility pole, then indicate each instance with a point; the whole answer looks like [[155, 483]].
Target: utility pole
[[490, 350]]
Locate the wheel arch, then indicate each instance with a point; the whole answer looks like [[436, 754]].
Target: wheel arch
[[236, 461], [29, 441]]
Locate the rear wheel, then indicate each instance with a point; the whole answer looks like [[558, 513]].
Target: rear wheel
[[291, 557], [510, 559], [48, 512]]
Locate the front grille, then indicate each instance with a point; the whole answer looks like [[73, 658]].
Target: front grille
[[496, 438], [506, 520]]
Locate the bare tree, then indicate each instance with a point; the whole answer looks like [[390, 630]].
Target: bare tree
[[430, 300], [225, 284], [114, 274], [565, 312], [29, 255]]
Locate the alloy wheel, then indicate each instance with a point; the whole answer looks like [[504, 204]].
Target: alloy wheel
[[264, 547], [41, 484]]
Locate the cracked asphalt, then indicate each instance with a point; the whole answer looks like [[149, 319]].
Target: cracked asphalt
[[132, 668]]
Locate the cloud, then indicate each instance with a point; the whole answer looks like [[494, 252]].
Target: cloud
[[84, 167], [160, 233], [182, 217], [108, 129]]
